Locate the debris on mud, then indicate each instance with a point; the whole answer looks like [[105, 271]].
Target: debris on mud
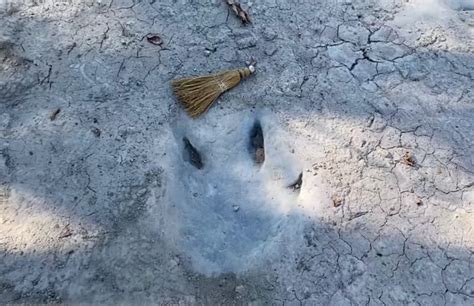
[[54, 114], [418, 201], [240, 289], [239, 11], [97, 132], [408, 159], [66, 232], [337, 201]]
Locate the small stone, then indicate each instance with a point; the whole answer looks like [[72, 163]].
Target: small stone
[[418, 201], [173, 263], [246, 42], [245, 39], [269, 34], [96, 132], [141, 192], [290, 80], [240, 289], [270, 50]]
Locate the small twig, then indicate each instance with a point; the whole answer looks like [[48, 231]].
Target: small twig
[[66, 232], [239, 11]]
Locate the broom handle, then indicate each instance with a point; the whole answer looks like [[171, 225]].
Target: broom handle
[[246, 72]]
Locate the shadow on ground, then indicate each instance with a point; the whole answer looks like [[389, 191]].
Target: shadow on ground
[[100, 203]]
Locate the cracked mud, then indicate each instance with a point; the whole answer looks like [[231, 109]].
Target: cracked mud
[[341, 173]]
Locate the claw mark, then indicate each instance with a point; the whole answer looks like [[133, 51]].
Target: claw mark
[[54, 114], [257, 143], [296, 186], [193, 155]]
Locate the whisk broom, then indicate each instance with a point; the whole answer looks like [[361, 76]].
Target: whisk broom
[[197, 94]]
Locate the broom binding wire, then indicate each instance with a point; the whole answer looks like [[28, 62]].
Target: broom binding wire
[[197, 94]]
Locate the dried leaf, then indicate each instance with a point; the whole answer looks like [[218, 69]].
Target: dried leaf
[[154, 39], [66, 232], [54, 114], [239, 11], [337, 201], [408, 159]]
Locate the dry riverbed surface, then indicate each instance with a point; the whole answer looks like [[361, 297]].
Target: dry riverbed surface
[[341, 173]]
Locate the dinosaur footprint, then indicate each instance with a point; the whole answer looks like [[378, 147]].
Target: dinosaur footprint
[[224, 204]]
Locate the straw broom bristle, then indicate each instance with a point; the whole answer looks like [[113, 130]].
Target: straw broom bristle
[[197, 94]]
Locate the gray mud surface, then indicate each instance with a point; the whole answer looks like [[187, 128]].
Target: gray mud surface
[[357, 187]]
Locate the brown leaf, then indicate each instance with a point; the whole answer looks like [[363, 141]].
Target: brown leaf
[[408, 159], [54, 114], [66, 232], [239, 11], [154, 39], [337, 201]]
